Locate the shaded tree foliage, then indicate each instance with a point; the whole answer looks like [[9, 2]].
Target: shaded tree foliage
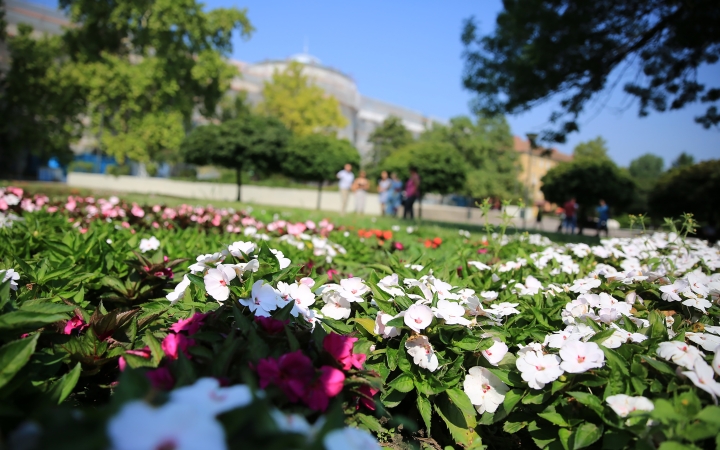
[[541, 49], [692, 189], [318, 158], [440, 165], [595, 149], [589, 181], [645, 171], [250, 141], [683, 160], [486, 147], [388, 137]]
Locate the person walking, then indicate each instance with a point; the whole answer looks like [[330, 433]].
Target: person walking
[[346, 178], [603, 212], [360, 187], [570, 208], [539, 217], [412, 192], [384, 186], [394, 195]]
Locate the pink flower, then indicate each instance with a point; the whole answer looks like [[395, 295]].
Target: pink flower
[[216, 220], [482, 250], [341, 348], [137, 211], [331, 273], [174, 343], [398, 246], [191, 324], [270, 325], [143, 353], [370, 392], [76, 322], [329, 384], [161, 378], [292, 373]]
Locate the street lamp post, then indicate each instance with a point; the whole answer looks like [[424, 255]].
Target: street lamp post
[[532, 137]]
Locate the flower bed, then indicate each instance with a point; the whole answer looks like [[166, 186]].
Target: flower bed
[[197, 335]]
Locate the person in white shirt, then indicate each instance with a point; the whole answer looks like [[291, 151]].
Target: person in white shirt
[[346, 178]]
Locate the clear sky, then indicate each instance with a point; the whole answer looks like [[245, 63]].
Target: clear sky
[[409, 53]]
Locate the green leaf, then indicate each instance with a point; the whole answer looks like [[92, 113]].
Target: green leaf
[[602, 336], [402, 383], [155, 347], [196, 280], [672, 445], [14, 355], [397, 322], [565, 437], [589, 400], [460, 399], [459, 424], [425, 408], [615, 361], [710, 414], [658, 365], [65, 385], [555, 418], [43, 306], [370, 423], [19, 322], [367, 323], [586, 435]]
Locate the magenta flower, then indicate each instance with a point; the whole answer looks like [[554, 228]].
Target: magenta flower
[[143, 353], [270, 325], [341, 348], [76, 323], [331, 273], [174, 343], [191, 324], [328, 385], [370, 392], [292, 373], [161, 378]]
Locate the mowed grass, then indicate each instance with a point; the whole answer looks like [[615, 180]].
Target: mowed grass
[[444, 230]]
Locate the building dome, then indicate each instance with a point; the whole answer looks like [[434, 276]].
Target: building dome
[[305, 58]]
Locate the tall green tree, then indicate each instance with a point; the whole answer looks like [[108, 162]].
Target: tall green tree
[[317, 158], [683, 160], [595, 149], [486, 146], [645, 171], [302, 106], [571, 50], [388, 137], [249, 141], [145, 66]]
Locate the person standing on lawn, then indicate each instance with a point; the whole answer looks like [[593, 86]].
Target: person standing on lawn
[[394, 195], [346, 178], [570, 208], [603, 212], [384, 186], [412, 192], [360, 187]]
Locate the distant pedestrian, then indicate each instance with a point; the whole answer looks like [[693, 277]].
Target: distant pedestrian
[[570, 208], [346, 178], [412, 192], [603, 212], [384, 186], [394, 195], [360, 187], [539, 217]]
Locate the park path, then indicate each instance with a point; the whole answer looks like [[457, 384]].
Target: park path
[[294, 198]]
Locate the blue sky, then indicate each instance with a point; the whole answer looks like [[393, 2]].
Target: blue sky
[[409, 53]]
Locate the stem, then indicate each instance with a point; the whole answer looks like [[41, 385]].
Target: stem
[[320, 185], [238, 180]]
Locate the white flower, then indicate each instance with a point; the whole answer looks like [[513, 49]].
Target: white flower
[[391, 285], [240, 248], [624, 404], [139, 426], [149, 244], [240, 268], [620, 337], [415, 267], [207, 397], [538, 369], [584, 285], [708, 342], [702, 376], [558, 339], [531, 287], [716, 361], [263, 300], [353, 289], [670, 292], [350, 439], [418, 317], [680, 353], [475, 307], [422, 352], [478, 265], [291, 423], [179, 291], [381, 327], [489, 296], [451, 312], [11, 275], [442, 289], [712, 329], [698, 303], [484, 389], [503, 309], [303, 297], [203, 262], [580, 356], [217, 281], [496, 353], [284, 262], [336, 306]]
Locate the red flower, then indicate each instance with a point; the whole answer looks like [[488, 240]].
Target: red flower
[[191, 324], [332, 272], [161, 378], [398, 246], [329, 384], [174, 343], [370, 392], [76, 323], [341, 348], [271, 325], [292, 373]]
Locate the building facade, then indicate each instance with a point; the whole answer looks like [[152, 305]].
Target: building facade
[[534, 164]]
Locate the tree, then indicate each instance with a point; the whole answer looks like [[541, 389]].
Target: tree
[[250, 141], [487, 149], [684, 160], [588, 181], [692, 189], [302, 106], [595, 149], [317, 158], [541, 49], [645, 171], [388, 137], [441, 167], [145, 67]]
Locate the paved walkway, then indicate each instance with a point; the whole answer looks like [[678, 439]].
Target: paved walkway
[[295, 198]]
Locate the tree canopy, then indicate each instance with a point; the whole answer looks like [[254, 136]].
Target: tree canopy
[[388, 137], [302, 106], [440, 165], [645, 171], [486, 146], [683, 160], [691, 189], [589, 181], [595, 149], [249, 141], [575, 49]]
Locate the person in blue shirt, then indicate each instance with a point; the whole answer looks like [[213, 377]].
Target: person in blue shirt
[[603, 212]]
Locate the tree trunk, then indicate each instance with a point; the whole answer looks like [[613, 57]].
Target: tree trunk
[[320, 185], [420, 196], [238, 181]]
